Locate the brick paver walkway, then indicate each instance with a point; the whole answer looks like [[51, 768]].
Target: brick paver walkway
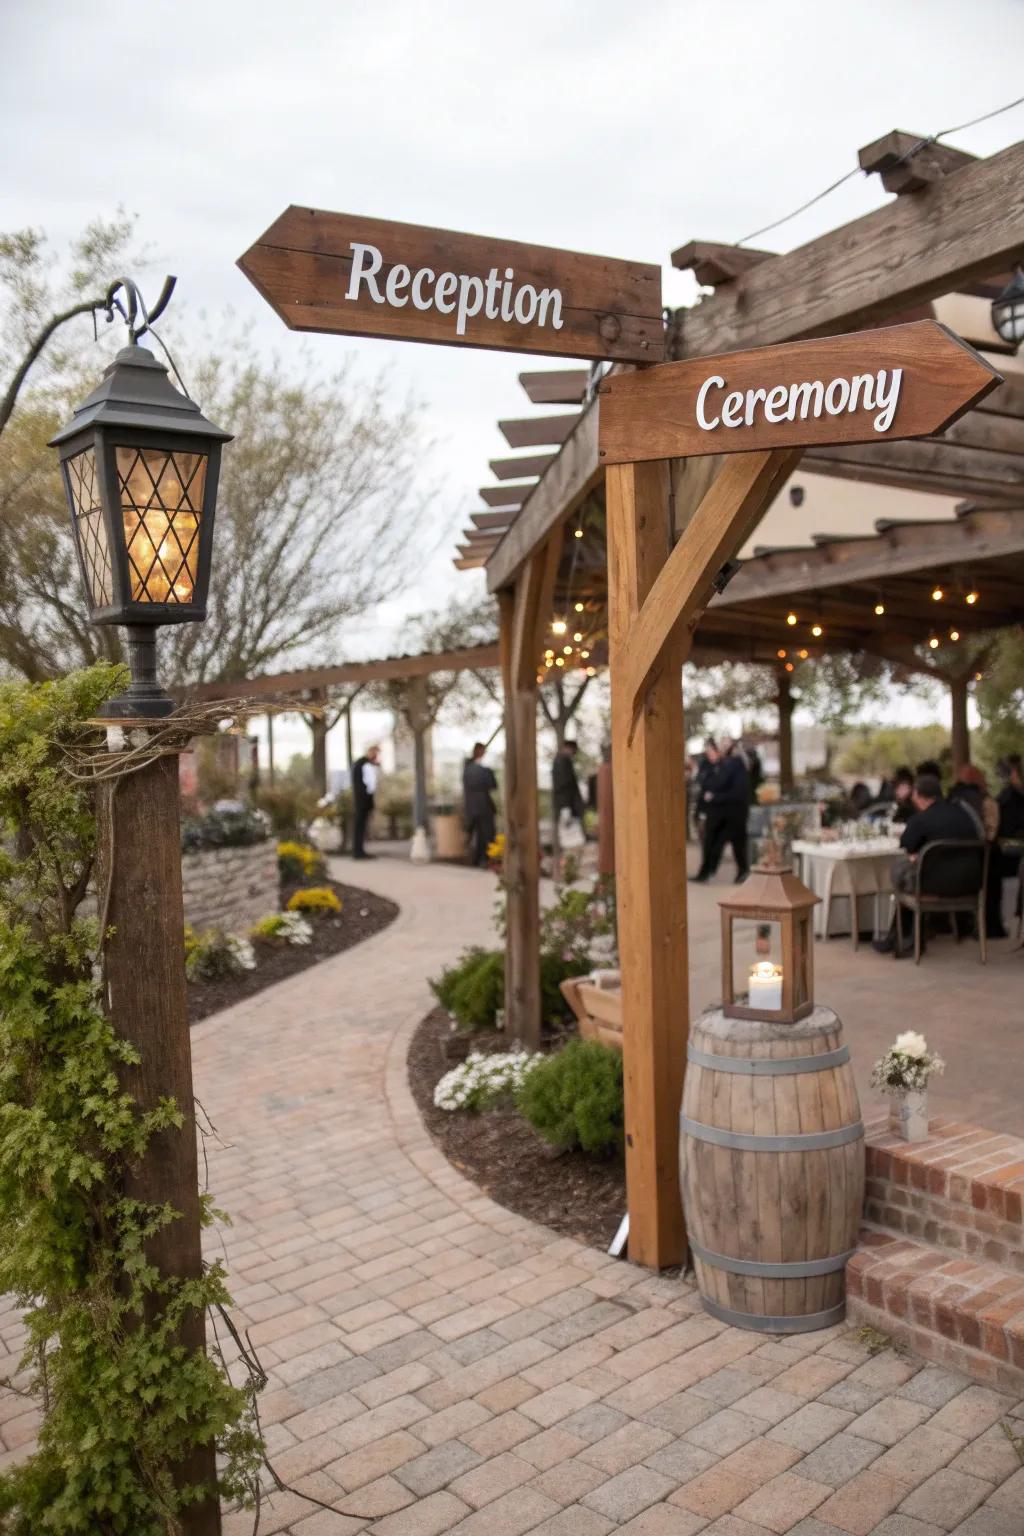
[[438, 1364]]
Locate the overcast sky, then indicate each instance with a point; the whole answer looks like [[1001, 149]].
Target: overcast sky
[[619, 128]]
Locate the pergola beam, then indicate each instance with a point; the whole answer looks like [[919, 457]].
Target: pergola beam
[[537, 431], [556, 386], [571, 476], [506, 495], [954, 231], [469, 658], [522, 466]]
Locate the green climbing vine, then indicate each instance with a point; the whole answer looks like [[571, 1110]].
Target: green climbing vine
[[124, 1401]]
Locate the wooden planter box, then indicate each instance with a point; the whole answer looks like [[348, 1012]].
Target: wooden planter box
[[597, 1003]]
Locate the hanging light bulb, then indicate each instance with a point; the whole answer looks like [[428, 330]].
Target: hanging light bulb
[[937, 594], [817, 631], [591, 671], [804, 655], [977, 677], [954, 635], [791, 619], [566, 650], [879, 608], [579, 533], [578, 636], [781, 654], [933, 641], [789, 666], [559, 662], [578, 607], [558, 626], [971, 597]]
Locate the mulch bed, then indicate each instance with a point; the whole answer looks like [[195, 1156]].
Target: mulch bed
[[362, 915], [578, 1196]]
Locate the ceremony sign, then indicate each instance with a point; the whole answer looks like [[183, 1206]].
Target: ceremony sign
[[370, 277], [872, 386]]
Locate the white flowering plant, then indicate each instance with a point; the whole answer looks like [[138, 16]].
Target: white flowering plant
[[484, 1080], [215, 956], [907, 1065], [283, 928]]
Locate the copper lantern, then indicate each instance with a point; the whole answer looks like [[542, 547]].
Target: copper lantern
[[768, 946]]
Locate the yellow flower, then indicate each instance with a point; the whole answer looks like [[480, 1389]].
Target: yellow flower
[[496, 850], [318, 898]]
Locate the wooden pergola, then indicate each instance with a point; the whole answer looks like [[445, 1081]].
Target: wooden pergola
[[315, 692], [955, 228]]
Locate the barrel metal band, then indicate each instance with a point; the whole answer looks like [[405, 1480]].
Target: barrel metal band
[[806, 1324], [814, 1141], [799, 1271], [762, 1067]]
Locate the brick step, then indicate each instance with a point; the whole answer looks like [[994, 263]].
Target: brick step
[[962, 1313], [961, 1191]]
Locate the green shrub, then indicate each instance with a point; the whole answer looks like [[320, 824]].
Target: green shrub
[[216, 956], [473, 989], [575, 1098]]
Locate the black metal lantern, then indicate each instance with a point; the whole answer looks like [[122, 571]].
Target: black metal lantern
[[1008, 310], [140, 463]]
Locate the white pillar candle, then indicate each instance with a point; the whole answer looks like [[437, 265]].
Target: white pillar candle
[[765, 986]]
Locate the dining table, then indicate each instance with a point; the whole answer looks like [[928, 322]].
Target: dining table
[[853, 879]]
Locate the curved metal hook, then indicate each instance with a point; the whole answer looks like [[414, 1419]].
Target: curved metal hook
[[136, 304]]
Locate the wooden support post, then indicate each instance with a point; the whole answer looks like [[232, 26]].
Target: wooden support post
[[140, 863], [605, 820], [784, 699], [319, 727], [525, 612], [960, 731], [656, 594], [650, 860], [270, 750]]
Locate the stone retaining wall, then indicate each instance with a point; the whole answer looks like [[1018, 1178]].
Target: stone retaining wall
[[230, 888]]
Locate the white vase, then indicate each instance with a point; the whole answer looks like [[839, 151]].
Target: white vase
[[908, 1115]]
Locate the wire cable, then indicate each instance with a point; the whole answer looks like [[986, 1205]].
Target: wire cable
[[857, 171]]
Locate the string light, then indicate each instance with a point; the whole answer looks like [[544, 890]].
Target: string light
[[933, 641], [791, 619], [817, 631], [879, 608], [591, 671], [578, 637], [781, 655], [789, 666], [559, 662], [584, 654], [804, 655], [579, 533], [578, 607], [558, 626], [954, 635], [937, 594], [566, 650], [971, 597], [977, 677]]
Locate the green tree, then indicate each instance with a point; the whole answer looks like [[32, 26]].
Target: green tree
[[999, 695]]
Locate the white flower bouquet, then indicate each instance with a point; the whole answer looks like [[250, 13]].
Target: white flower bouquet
[[906, 1066], [482, 1081]]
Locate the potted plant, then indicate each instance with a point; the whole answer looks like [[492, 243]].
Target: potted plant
[[903, 1073]]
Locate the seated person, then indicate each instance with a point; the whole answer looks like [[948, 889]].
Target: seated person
[[948, 873], [902, 796]]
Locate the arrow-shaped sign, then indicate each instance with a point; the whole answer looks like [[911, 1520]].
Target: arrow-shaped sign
[[869, 387]]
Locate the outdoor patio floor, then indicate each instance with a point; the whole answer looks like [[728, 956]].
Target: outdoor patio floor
[[439, 1364]]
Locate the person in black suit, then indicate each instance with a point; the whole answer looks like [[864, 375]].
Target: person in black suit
[[726, 801], [950, 872], [478, 784], [365, 772]]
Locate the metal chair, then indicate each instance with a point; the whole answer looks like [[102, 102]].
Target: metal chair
[[921, 903]]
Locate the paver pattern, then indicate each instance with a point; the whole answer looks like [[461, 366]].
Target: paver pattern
[[438, 1364]]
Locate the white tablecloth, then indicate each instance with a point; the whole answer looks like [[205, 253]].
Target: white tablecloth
[[856, 873]]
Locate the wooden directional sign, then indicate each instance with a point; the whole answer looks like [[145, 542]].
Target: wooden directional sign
[[369, 277], [868, 387]]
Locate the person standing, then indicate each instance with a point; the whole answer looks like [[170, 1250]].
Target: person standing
[[365, 773], [478, 784], [726, 799], [565, 788]]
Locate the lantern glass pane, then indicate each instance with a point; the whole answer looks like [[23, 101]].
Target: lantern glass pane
[[90, 529], [757, 963], [162, 504], [803, 939]]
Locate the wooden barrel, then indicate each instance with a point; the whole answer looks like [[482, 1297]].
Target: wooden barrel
[[771, 1152]]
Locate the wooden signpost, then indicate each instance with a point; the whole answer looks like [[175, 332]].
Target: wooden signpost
[[371, 277], [763, 407]]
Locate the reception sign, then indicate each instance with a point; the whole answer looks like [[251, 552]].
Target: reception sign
[[868, 387], [370, 277]]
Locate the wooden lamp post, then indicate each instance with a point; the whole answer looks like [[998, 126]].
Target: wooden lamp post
[[140, 465], [768, 945]]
